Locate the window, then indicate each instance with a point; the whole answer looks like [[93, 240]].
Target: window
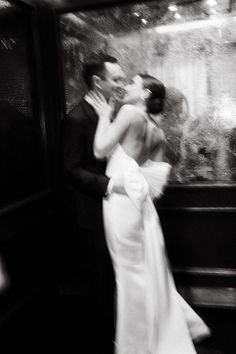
[[191, 48]]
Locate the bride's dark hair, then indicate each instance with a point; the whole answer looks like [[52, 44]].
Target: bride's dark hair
[[155, 102]]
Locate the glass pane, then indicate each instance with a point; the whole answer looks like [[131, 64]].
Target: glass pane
[[20, 141], [191, 48]]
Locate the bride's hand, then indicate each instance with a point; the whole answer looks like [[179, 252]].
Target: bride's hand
[[101, 106]]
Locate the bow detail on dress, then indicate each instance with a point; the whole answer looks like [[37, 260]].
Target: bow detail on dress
[[147, 180]]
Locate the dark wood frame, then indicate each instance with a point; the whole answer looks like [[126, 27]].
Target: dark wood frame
[[27, 225]]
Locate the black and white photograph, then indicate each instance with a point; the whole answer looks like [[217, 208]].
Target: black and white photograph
[[118, 176]]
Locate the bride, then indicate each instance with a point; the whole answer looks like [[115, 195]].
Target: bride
[[152, 318]]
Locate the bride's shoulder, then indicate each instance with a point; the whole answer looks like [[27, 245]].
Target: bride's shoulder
[[132, 111], [132, 108]]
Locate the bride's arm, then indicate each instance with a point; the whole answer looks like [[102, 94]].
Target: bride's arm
[[109, 134]]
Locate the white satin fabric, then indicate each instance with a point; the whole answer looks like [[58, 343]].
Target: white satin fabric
[[152, 318]]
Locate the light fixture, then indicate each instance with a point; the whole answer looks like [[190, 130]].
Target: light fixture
[[211, 2], [144, 21], [193, 25], [173, 7], [177, 16], [213, 11]]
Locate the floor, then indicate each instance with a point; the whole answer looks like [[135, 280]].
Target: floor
[[62, 327], [223, 325]]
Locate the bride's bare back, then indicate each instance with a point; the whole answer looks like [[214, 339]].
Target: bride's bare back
[[143, 139]]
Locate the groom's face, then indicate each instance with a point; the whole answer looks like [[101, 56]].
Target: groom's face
[[114, 80]]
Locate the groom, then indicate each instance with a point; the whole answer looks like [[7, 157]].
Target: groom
[[89, 184]]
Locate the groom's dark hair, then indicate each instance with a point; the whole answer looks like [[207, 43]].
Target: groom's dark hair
[[96, 66]]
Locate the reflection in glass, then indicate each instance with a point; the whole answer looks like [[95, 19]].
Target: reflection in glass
[[4, 281], [21, 164], [191, 48]]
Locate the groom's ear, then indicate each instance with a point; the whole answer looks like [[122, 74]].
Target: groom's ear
[[96, 82]]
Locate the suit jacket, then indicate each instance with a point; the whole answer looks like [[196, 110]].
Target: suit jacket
[[85, 176], [84, 173]]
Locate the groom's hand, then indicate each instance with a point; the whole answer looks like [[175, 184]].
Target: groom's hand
[[118, 184]]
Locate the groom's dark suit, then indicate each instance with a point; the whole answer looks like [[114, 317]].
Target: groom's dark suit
[[88, 185]]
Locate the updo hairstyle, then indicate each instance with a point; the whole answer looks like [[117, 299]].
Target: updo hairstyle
[[155, 102]]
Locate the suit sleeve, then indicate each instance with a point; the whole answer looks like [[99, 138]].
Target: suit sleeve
[[74, 145]]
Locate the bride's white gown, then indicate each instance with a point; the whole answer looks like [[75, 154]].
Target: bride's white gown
[[152, 318]]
